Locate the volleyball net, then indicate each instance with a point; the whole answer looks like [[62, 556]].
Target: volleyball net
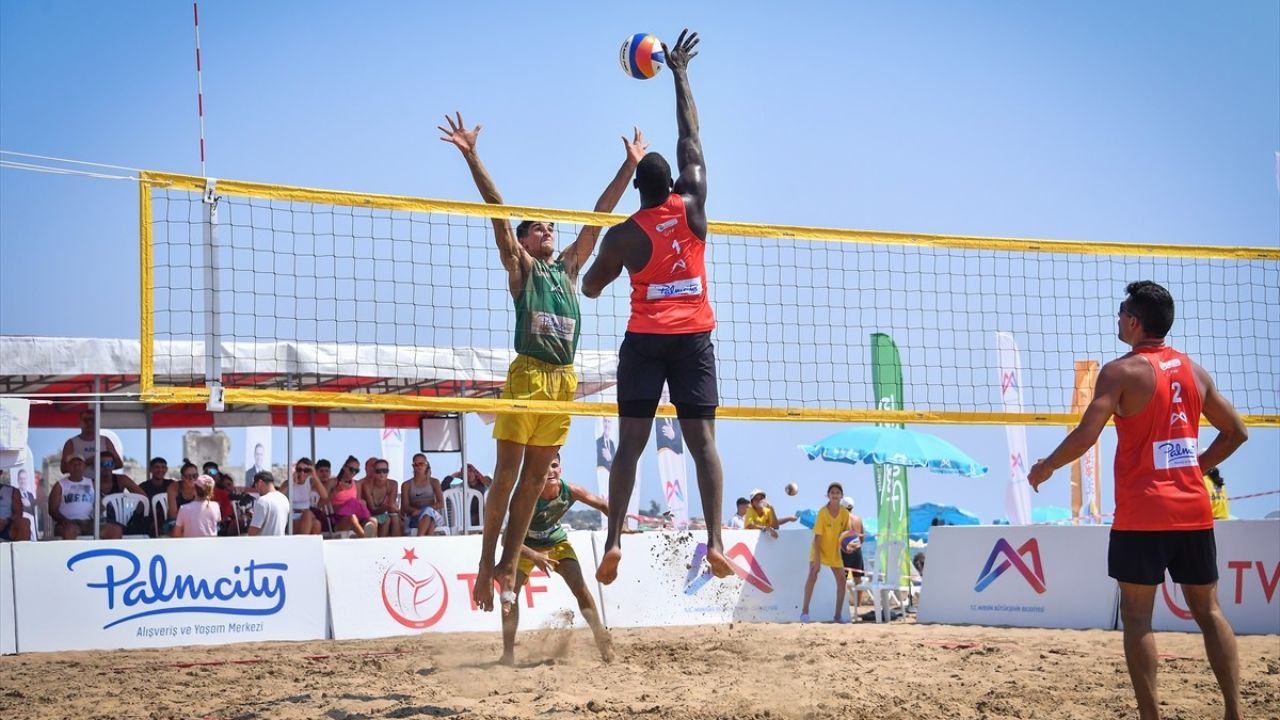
[[284, 295]]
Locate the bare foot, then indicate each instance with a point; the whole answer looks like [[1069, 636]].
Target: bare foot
[[608, 570], [720, 565], [606, 649], [507, 659], [482, 593]]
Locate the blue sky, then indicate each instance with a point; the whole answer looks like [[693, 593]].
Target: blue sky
[[1143, 122]]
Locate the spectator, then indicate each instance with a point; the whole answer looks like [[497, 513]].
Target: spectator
[[180, 493], [83, 446], [259, 464], [224, 492], [918, 563], [349, 511], [156, 483], [324, 476], [832, 522], [476, 480], [200, 517], [761, 515], [739, 521], [369, 464], [423, 499], [271, 509], [851, 553], [1217, 488], [381, 494], [71, 504], [113, 483], [305, 493], [13, 526]]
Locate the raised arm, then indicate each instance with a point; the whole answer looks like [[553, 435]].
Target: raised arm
[[1218, 411], [692, 182], [1106, 399], [514, 258], [576, 255], [584, 496], [608, 264]]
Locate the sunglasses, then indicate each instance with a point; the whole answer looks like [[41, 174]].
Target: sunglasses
[[381, 471], [190, 477], [305, 470]]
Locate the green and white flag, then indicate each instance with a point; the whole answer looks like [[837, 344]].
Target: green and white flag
[[891, 480]]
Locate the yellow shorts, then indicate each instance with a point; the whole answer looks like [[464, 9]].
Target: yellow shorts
[[560, 551], [532, 379]]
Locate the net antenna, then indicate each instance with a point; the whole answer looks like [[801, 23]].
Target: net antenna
[[212, 316]]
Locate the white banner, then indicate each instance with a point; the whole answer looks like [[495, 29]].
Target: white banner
[[606, 450], [1017, 496], [1035, 576], [393, 453], [662, 580], [403, 586], [75, 595], [8, 620], [672, 470], [1248, 581]]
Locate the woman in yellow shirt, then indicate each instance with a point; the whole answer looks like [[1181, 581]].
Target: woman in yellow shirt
[[1217, 488], [832, 522]]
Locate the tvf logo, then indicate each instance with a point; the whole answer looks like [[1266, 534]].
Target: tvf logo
[[744, 566], [1010, 558], [1008, 380], [1243, 570]]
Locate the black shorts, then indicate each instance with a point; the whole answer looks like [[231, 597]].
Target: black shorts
[[686, 363], [1141, 556], [853, 561]]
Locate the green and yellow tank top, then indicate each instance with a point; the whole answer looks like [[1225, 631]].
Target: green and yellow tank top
[[547, 315]]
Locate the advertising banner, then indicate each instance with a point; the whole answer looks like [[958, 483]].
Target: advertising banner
[[158, 593], [1030, 576], [663, 580], [1248, 581], [403, 586], [8, 621]]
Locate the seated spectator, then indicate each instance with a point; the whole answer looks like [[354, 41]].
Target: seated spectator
[[113, 483], [761, 516], [200, 517], [381, 495], [349, 511], [306, 492], [83, 445], [181, 493], [13, 526], [226, 494], [918, 563], [422, 501], [739, 520], [71, 504], [320, 509], [271, 509], [476, 480], [156, 484]]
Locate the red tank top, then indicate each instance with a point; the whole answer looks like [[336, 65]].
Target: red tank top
[[669, 295], [1159, 485]]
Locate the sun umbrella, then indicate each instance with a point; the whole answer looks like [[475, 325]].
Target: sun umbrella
[[895, 446]]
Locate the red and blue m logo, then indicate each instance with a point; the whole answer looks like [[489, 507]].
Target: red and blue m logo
[[744, 566], [1034, 575]]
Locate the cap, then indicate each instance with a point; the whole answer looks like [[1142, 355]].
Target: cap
[[846, 503], [205, 481], [756, 492], [741, 501]]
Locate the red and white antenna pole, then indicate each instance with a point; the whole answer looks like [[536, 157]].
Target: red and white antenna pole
[[199, 88]]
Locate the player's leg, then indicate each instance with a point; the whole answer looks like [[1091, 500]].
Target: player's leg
[[571, 571], [691, 378], [510, 456], [510, 622], [533, 474], [1194, 566]]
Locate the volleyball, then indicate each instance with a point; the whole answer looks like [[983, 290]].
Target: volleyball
[[791, 489], [641, 56], [849, 542]]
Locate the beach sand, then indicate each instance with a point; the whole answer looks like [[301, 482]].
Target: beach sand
[[902, 670]]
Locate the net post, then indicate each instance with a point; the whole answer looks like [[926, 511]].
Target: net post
[[212, 316]]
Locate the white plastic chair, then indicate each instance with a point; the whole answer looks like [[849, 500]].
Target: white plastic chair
[[474, 501], [34, 523], [159, 513], [884, 595], [455, 510], [124, 505]]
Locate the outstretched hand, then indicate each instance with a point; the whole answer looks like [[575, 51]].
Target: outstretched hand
[[678, 57], [636, 148], [459, 135]]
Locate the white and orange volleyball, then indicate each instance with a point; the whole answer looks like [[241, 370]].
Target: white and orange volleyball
[[642, 56]]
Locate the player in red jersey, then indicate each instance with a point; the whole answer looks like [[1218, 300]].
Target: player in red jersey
[[668, 338], [1163, 517]]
